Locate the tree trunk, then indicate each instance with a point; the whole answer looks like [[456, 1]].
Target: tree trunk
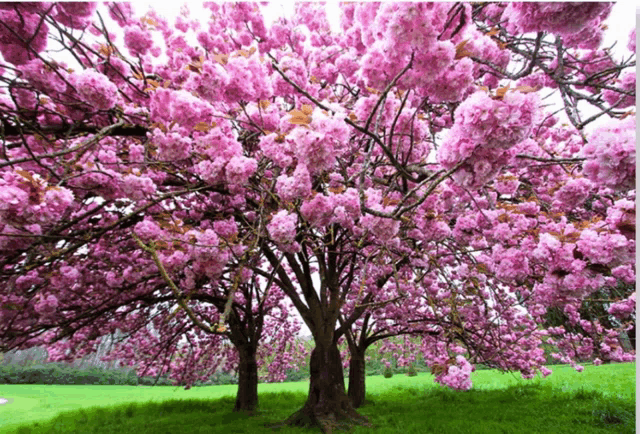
[[632, 336], [357, 378], [247, 396], [327, 405]]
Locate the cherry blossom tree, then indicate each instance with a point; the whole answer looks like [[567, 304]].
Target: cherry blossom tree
[[192, 182]]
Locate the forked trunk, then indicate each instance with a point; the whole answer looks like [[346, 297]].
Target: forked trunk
[[247, 397], [327, 405], [357, 378]]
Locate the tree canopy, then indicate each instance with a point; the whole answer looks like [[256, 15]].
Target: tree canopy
[[198, 182]]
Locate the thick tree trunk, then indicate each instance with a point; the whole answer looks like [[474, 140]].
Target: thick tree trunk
[[357, 378], [327, 405], [247, 397]]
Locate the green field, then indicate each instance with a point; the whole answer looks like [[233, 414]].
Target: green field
[[601, 399]]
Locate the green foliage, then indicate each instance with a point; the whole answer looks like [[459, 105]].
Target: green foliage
[[222, 377], [388, 372], [60, 373]]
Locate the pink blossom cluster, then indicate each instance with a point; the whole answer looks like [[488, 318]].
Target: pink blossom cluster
[[137, 40], [42, 78], [181, 107], [622, 216], [47, 305], [572, 194], [29, 204], [297, 186], [115, 69], [137, 187], [76, 15], [484, 131], [121, 13], [296, 72], [20, 28], [394, 32], [605, 248], [56, 200], [95, 89], [457, 376], [239, 169], [485, 48], [566, 276], [624, 308], [563, 19], [611, 155], [172, 145], [248, 79], [342, 208], [318, 147], [627, 83]]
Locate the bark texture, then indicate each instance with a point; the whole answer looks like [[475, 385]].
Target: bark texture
[[357, 389], [247, 396]]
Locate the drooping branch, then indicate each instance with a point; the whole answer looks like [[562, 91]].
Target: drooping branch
[[176, 292]]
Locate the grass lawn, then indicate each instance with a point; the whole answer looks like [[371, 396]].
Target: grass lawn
[[601, 399]]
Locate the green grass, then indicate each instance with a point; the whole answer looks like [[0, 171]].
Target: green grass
[[599, 400]]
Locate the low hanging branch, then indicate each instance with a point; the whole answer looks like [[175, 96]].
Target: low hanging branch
[[99, 134], [176, 292]]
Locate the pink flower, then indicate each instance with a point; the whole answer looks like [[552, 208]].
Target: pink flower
[[240, 169], [282, 227], [46, 306], [294, 187], [147, 230], [57, 200], [95, 89], [137, 40], [137, 187], [30, 27], [76, 15], [631, 45]]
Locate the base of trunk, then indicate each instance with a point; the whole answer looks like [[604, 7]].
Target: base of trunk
[[337, 417], [327, 406]]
